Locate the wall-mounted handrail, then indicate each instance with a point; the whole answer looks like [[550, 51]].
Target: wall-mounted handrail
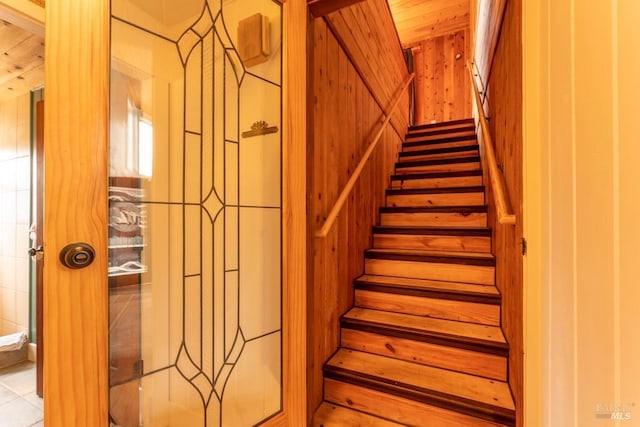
[[335, 211], [495, 176]]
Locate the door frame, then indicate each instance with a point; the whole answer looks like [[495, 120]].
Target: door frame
[[38, 217], [76, 389]]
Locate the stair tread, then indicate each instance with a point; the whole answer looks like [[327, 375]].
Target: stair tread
[[437, 125], [432, 289], [435, 256], [435, 209], [399, 375], [442, 133], [329, 415], [416, 141], [445, 150], [440, 190], [432, 293], [469, 288], [491, 335], [433, 230], [430, 175], [457, 160], [453, 254]]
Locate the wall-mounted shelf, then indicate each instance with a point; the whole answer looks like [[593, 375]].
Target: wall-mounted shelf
[[126, 224]]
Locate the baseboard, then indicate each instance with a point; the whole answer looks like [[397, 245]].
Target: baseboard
[[32, 352]]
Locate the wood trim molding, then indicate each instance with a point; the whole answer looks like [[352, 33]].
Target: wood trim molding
[[320, 8], [294, 220]]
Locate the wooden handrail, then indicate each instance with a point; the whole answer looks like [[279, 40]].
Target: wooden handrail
[[333, 214], [495, 176]]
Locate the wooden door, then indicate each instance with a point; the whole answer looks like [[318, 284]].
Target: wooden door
[[76, 310], [75, 301]]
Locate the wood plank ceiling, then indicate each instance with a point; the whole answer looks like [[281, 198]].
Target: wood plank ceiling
[[22, 53], [418, 20], [21, 61]]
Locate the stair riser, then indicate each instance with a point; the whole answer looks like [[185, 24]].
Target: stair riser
[[413, 137], [438, 156], [396, 408], [446, 243], [480, 275], [447, 167], [456, 181], [445, 199], [463, 311], [441, 356], [435, 145], [434, 219]]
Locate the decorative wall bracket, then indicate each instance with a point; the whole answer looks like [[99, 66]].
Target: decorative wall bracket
[[260, 128]]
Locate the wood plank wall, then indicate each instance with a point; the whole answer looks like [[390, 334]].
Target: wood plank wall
[[504, 107], [345, 92], [368, 35], [443, 90]]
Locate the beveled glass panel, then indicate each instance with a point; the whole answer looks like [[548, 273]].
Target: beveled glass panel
[[195, 214]]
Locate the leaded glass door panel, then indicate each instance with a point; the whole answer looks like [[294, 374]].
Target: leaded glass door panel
[[195, 211]]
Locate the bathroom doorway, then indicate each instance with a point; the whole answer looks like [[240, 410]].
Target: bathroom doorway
[[22, 65], [36, 232]]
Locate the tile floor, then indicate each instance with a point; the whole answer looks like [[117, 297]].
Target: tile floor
[[19, 404]]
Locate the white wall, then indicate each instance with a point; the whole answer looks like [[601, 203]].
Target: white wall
[[582, 202], [15, 162]]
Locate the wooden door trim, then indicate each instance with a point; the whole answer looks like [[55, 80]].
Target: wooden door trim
[[294, 221], [76, 131], [39, 221]]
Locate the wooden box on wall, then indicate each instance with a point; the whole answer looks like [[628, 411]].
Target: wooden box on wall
[[253, 40]]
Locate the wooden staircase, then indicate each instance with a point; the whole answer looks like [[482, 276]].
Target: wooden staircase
[[423, 346]]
